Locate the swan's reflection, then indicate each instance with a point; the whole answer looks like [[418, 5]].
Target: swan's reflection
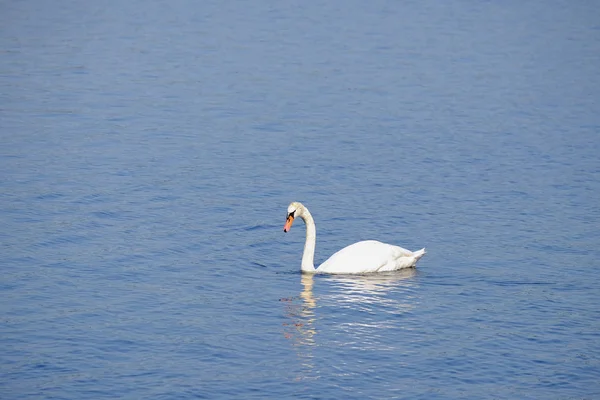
[[365, 291], [301, 328], [302, 314], [353, 294], [374, 284]]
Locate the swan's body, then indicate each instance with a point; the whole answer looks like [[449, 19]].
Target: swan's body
[[359, 258]]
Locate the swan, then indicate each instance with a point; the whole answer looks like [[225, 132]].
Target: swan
[[358, 258]]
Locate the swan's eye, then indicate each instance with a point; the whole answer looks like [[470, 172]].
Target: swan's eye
[[291, 214]]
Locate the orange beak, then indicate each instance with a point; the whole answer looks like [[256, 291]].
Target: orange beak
[[288, 223]]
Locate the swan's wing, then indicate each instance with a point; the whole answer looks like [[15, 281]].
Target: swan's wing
[[367, 256]]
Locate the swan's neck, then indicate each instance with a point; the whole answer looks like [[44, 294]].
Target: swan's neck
[[308, 258]]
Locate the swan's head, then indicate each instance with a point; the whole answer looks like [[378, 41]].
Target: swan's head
[[294, 210]]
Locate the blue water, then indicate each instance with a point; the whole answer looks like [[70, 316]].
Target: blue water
[[149, 151]]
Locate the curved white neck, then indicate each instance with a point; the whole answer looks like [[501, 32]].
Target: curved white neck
[[308, 258]]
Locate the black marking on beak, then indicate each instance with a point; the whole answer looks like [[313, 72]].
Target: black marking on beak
[[289, 220]]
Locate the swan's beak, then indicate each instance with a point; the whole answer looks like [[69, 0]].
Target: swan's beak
[[288, 223]]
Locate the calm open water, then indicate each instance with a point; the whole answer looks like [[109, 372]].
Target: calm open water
[[149, 151]]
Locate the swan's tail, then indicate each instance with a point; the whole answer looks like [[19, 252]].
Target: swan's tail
[[418, 254]]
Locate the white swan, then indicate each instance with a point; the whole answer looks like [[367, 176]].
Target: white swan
[[358, 258]]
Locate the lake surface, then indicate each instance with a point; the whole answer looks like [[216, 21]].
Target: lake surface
[[149, 151]]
